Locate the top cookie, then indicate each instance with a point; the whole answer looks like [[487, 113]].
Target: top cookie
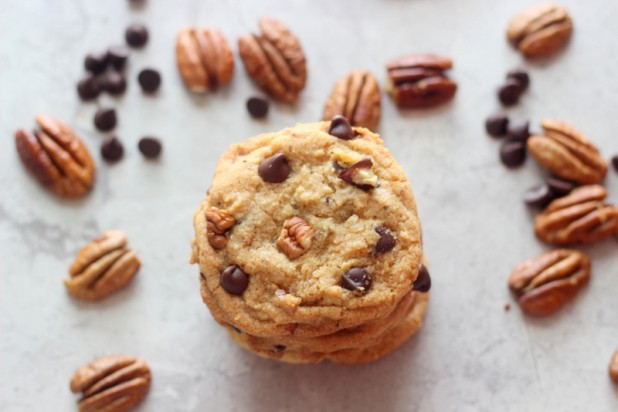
[[306, 233]]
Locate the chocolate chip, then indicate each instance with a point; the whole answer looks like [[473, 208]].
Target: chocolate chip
[[386, 241], [117, 56], [340, 128], [518, 129], [496, 125], [257, 107], [150, 147], [560, 187], [89, 87], [105, 119], [615, 162], [136, 35], [510, 92], [357, 280], [95, 62], [114, 83], [351, 174], [521, 76], [423, 280], [513, 153], [150, 80], [234, 280], [274, 169], [279, 348], [538, 196], [112, 149]]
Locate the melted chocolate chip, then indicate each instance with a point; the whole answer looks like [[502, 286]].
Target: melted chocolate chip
[[234, 280], [423, 280], [357, 280], [340, 127], [348, 174], [274, 169], [386, 241]]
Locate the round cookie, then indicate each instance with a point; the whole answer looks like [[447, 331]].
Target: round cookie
[[305, 295]]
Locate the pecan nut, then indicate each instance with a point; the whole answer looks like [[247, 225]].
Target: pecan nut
[[295, 238], [567, 153], [357, 97], [540, 30], [57, 157], [580, 217], [546, 283], [112, 383], [613, 367], [102, 267], [218, 223], [418, 81], [359, 174], [275, 60], [204, 58]]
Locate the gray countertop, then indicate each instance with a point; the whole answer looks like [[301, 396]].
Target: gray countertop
[[471, 355]]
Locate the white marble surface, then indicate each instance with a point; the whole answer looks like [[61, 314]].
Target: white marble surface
[[471, 354]]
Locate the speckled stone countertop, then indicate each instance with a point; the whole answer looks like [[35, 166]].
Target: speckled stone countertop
[[472, 355]]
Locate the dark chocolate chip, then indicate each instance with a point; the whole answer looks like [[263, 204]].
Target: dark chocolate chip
[[274, 169], [357, 280], [149, 80], [150, 147], [423, 280], [136, 35], [538, 196], [518, 129], [496, 125], [615, 162], [521, 76], [510, 92], [114, 83], [234, 280], [95, 62], [560, 187], [513, 153], [386, 241], [112, 149], [347, 174], [105, 119], [279, 348], [257, 107], [117, 56], [89, 87], [340, 127]]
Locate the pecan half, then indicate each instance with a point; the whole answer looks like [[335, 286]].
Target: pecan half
[[418, 81], [57, 157], [275, 60], [567, 153], [540, 30], [613, 367], [204, 58], [115, 383], [580, 217], [102, 267], [218, 222], [359, 174], [356, 97], [295, 238], [546, 283]]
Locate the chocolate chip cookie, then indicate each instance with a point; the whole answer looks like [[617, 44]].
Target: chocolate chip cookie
[[309, 236]]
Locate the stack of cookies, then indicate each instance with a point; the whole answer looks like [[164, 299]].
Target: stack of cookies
[[309, 246]]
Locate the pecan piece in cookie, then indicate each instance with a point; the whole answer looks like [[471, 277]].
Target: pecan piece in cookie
[[102, 267], [219, 222], [546, 283], [357, 97], [540, 30], [567, 153], [295, 238], [580, 217], [204, 58], [418, 81], [115, 383], [275, 60], [359, 174], [57, 157]]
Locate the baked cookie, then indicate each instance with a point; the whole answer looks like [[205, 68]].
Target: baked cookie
[[306, 233]]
